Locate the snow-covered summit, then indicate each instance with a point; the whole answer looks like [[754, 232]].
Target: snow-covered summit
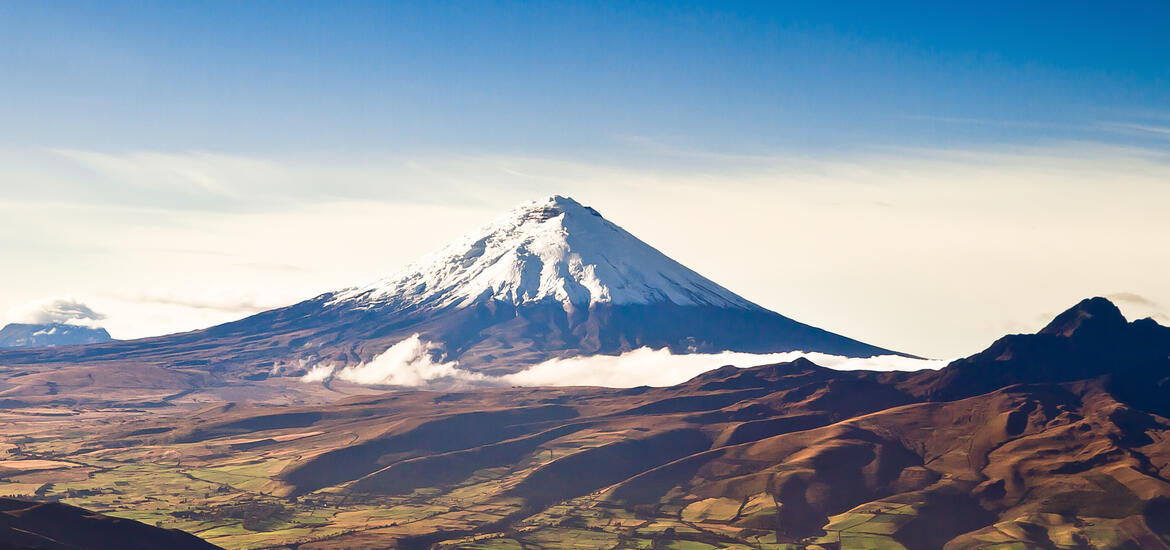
[[551, 249], [27, 335]]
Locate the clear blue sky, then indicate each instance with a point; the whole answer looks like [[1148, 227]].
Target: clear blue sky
[[922, 176], [582, 77]]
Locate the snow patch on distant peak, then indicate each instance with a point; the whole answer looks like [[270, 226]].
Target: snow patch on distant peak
[[551, 249]]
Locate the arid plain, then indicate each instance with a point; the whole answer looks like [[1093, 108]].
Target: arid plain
[[1061, 443]]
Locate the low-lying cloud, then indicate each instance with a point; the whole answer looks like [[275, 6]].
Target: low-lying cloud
[[55, 310], [650, 367], [408, 363], [411, 363]]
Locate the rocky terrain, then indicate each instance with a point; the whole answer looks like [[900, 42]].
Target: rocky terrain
[[1050, 440]]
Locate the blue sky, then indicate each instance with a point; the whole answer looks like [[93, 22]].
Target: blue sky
[[922, 176], [582, 77]]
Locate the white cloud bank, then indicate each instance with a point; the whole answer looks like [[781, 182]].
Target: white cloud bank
[[410, 363], [55, 310], [650, 367], [407, 363]]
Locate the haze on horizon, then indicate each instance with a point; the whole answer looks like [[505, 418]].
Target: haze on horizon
[[914, 176]]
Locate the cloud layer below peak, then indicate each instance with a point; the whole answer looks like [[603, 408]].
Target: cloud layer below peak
[[412, 363]]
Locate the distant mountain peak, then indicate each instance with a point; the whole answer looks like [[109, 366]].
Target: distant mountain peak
[[552, 249], [23, 335], [1091, 313], [1089, 340]]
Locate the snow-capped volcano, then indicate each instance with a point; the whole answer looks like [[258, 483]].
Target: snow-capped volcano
[[552, 249], [551, 279]]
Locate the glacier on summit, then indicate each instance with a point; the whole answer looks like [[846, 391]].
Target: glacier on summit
[[552, 249]]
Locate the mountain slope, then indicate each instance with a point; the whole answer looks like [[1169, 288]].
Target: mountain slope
[[1090, 340], [1066, 453], [550, 279], [54, 526]]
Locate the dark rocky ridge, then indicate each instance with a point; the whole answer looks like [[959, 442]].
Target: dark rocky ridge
[[1063, 431], [28, 525], [1090, 340]]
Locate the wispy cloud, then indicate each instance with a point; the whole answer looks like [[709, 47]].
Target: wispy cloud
[[1135, 305], [951, 219], [223, 182], [994, 122], [1146, 129], [1131, 298], [195, 172], [218, 299], [56, 310]]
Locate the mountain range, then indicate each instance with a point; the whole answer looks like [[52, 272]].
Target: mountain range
[[1053, 440]]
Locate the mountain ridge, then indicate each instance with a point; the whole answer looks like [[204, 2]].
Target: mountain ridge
[[32, 335], [1089, 340], [1070, 446], [26, 525]]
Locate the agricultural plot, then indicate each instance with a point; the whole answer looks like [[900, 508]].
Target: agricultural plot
[[714, 463]]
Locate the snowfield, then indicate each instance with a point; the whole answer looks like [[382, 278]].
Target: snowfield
[[552, 249]]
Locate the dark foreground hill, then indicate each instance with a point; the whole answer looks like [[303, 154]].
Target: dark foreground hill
[[28, 525], [1053, 440]]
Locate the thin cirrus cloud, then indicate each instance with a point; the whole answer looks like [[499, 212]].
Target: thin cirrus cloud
[[217, 299], [872, 244], [237, 181], [1146, 129], [201, 180], [194, 172]]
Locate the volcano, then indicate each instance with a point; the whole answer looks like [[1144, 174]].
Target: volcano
[[550, 279]]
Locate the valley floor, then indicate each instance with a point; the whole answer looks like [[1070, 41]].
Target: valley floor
[[233, 489], [1057, 440]]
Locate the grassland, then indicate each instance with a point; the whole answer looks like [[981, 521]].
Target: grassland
[[226, 490], [634, 469]]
